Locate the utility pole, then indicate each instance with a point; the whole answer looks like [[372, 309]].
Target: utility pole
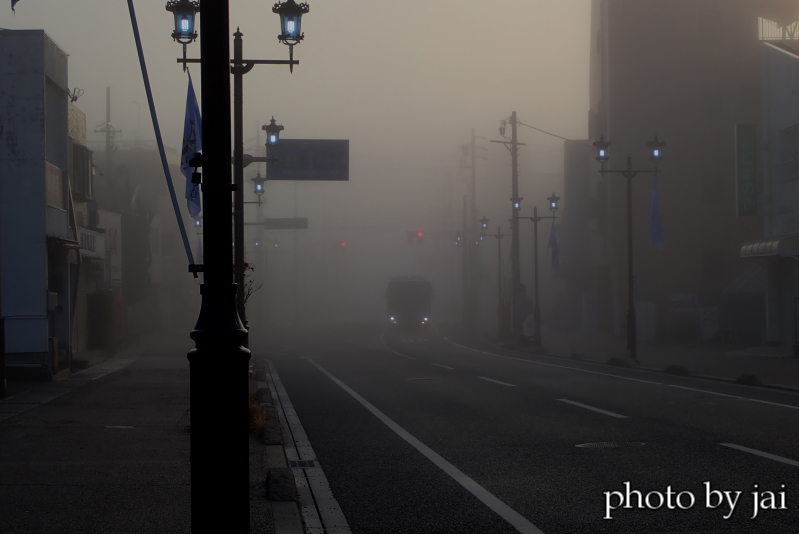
[[515, 267], [110, 132], [471, 290], [466, 243]]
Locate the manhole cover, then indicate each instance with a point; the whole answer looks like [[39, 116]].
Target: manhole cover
[[611, 444]]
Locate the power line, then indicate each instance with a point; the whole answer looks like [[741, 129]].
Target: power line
[[549, 133]]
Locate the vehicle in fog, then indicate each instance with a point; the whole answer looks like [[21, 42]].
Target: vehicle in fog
[[409, 300]]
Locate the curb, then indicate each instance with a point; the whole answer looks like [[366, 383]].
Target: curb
[[278, 478]]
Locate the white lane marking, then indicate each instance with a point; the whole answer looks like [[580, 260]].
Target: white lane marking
[[627, 378], [119, 426], [738, 397], [772, 403], [443, 366], [761, 453], [503, 510], [705, 391], [593, 409], [554, 365], [394, 351], [320, 509], [496, 381]]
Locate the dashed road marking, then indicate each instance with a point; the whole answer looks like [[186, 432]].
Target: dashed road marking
[[394, 351], [496, 381], [553, 365], [761, 454], [581, 405], [443, 366]]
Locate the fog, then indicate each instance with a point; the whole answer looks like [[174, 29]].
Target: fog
[[404, 82]]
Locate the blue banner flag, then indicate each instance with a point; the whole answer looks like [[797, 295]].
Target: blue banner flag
[[192, 143], [553, 244], [13, 3], [656, 226]]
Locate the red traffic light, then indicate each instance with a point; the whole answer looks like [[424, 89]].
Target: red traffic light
[[343, 244], [420, 234]]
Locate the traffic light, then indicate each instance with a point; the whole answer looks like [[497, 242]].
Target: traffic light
[[415, 236]]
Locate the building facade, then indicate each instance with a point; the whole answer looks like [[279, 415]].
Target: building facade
[[688, 71]]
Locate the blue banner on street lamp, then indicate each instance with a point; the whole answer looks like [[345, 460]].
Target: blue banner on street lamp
[[192, 143]]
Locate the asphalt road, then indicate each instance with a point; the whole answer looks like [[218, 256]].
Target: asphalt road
[[513, 423]]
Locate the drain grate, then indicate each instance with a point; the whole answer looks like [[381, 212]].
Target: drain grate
[[301, 463], [611, 444]]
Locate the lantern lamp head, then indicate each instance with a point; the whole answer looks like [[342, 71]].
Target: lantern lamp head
[[184, 12], [484, 223], [553, 202], [517, 203], [272, 132], [656, 149], [602, 146], [258, 181], [290, 17]]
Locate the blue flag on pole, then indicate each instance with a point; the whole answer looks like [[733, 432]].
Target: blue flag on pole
[[13, 3], [192, 143], [656, 226], [553, 244]]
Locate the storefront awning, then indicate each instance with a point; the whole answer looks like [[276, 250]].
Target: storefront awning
[[61, 242], [784, 246]]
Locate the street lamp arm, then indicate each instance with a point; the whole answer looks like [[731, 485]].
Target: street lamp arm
[[250, 61], [627, 174]]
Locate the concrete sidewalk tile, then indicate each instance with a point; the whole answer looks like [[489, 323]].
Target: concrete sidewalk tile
[[287, 518]]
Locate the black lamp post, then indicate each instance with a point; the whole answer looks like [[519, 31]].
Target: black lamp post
[[499, 235], [290, 16], [603, 156], [219, 362], [553, 206]]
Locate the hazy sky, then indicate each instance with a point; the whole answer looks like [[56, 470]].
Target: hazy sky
[[393, 77], [405, 82]]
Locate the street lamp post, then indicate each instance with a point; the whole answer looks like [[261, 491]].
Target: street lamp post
[[603, 156], [553, 206], [290, 16], [499, 235], [218, 364]]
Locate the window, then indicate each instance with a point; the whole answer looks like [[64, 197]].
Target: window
[[81, 175]]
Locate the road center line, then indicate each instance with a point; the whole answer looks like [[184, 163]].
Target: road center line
[[705, 391], [554, 365], [761, 453], [496, 381], [394, 351], [443, 366], [503, 510], [593, 409]]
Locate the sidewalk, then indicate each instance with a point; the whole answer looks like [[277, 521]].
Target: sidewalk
[[770, 366]]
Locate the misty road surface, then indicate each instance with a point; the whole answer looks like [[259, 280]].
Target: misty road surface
[[398, 425]]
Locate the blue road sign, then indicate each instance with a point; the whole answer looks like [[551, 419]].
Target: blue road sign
[[309, 159]]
